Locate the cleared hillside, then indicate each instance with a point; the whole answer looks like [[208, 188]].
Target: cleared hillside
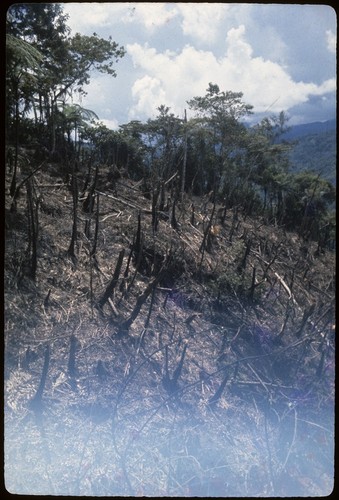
[[172, 352]]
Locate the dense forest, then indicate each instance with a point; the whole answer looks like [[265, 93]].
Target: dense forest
[[169, 289]]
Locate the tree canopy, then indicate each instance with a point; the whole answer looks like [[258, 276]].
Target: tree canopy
[[211, 149], [39, 44]]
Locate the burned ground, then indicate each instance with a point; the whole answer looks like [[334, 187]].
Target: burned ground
[[163, 359]]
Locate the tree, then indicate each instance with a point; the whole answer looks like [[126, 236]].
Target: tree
[[44, 27], [123, 148], [22, 67], [308, 203], [268, 162], [74, 118], [218, 116], [67, 61], [164, 136]]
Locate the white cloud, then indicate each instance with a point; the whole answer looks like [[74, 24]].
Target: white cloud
[[151, 15], [331, 41], [173, 78], [111, 124], [149, 94], [88, 17], [237, 48], [201, 20]]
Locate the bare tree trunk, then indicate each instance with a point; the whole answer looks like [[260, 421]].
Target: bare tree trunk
[[183, 175], [113, 282], [13, 189], [218, 393], [96, 231], [71, 249], [32, 231], [155, 219], [125, 325], [242, 265]]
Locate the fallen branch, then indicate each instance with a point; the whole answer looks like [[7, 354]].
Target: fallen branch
[[125, 325], [127, 203], [290, 296], [113, 282]]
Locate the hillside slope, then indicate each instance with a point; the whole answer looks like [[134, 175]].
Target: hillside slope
[[313, 128], [207, 369], [316, 153], [315, 148]]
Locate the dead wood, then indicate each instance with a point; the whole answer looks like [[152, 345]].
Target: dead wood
[[125, 325], [113, 283]]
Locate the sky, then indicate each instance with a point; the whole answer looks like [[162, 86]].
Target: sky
[[282, 57]]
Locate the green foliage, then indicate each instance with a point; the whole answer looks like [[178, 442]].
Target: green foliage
[[23, 62], [92, 52], [21, 54], [65, 62], [219, 133], [123, 148], [164, 136], [211, 152], [218, 105], [310, 196]]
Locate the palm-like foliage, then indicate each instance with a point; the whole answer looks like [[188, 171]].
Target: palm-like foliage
[[22, 53], [74, 117], [22, 64]]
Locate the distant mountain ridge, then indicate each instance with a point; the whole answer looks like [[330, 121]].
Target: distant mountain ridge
[[315, 148], [297, 131]]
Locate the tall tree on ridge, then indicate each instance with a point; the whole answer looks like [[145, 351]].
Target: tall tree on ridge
[[67, 61]]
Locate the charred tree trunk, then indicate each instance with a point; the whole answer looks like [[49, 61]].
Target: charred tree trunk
[[242, 265], [96, 231], [137, 246], [193, 215], [150, 309], [155, 218], [125, 325], [32, 206], [13, 187], [174, 222], [113, 282], [88, 203], [184, 162], [251, 294], [170, 384], [71, 249], [206, 242], [218, 393], [88, 176]]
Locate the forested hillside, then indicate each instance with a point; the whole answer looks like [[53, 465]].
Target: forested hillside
[[317, 153], [169, 290]]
